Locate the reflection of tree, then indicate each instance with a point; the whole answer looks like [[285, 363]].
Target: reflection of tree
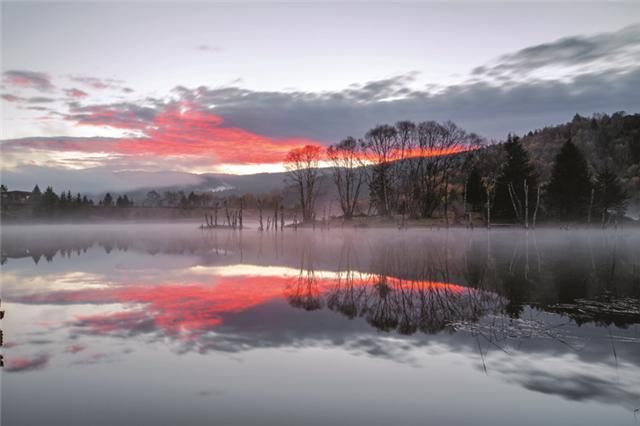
[[303, 291], [388, 303]]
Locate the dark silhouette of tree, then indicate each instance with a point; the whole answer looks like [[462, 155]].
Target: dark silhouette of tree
[[517, 174], [153, 199], [49, 201], [348, 173], [381, 143], [475, 190], [569, 190], [610, 195], [302, 171], [107, 201]]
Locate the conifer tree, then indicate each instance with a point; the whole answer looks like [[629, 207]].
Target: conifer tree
[[517, 173], [569, 189], [610, 195]]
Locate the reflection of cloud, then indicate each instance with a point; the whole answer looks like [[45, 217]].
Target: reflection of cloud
[[579, 387], [20, 364], [96, 358], [571, 378]]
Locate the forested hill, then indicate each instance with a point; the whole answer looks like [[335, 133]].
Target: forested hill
[[605, 140]]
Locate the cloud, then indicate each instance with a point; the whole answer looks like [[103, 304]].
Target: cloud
[[20, 364], [120, 115], [32, 100], [482, 107], [74, 349], [208, 48], [28, 79], [618, 49], [183, 131], [201, 128], [75, 93], [97, 83]]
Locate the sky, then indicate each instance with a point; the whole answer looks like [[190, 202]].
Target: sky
[[94, 90]]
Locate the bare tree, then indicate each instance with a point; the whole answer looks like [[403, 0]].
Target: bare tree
[[348, 173], [302, 171], [381, 143], [437, 144]]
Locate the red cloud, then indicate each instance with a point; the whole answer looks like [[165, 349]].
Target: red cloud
[[181, 130], [177, 130]]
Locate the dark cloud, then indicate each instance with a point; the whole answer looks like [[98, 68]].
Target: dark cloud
[[40, 100], [32, 100], [617, 49], [487, 109], [28, 79], [119, 115]]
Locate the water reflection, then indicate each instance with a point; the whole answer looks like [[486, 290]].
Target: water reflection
[[555, 314]]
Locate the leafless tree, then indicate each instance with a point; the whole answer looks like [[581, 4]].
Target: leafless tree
[[302, 170], [381, 145], [348, 173], [437, 145]]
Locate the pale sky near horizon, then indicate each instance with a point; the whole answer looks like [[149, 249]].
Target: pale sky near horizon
[[117, 86]]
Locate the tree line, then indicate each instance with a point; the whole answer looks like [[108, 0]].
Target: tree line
[[421, 170]]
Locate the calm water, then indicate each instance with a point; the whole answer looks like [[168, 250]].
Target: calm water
[[170, 325]]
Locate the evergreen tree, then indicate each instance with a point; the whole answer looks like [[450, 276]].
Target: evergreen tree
[[108, 200], [126, 202], [510, 191], [49, 201], [569, 189], [475, 190], [610, 195]]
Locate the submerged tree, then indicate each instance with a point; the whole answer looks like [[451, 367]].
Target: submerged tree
[[569, 190], [348, 173], [302, 170]]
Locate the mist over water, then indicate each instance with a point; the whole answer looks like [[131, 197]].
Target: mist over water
[[169, 324]]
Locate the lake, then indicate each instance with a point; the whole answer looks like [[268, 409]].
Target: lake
[[172, 325]]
